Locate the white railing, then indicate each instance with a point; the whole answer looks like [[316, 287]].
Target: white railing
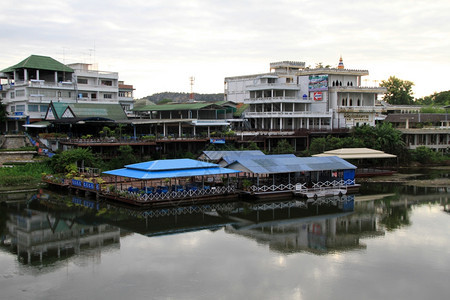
[[289, 114], [301, 187], [334, 183], [278, 100], [181, 194]]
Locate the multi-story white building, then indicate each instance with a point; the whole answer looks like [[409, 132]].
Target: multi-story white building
[[29, 86], [292, 97]]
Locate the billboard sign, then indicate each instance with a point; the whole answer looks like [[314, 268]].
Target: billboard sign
[[217, 141], [317, 96], [318, 83]]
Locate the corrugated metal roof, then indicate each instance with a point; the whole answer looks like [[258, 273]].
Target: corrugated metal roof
[[273, 164], [171, 164], [39, 62], [216, 155], [108, 111], [171, 168]]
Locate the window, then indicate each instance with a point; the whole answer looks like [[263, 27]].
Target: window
[[20, 93], [82, 81], [107, 96], [33, 108], [43, 108], [20, 107], [12, 95], [107, 82], [13, 109]]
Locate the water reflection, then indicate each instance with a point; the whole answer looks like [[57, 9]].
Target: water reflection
[[48, 231], [45, 228]]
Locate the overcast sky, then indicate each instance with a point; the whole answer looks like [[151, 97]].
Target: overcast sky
[[158, 45]]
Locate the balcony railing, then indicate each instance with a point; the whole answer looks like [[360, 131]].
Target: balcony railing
[[289, 114], [278, 100], [346, 109]]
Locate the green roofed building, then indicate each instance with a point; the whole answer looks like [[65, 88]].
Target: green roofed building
[[28, 87]]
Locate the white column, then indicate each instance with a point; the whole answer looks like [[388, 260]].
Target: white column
[[56, 76], [37, 74], [25, 75]]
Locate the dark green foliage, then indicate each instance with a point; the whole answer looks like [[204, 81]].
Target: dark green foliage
[[22, 175], [3, 112], [382, 137], [252, 146], [80, 156], [437, 99], [426, 155], [125, 157], [283, 147]]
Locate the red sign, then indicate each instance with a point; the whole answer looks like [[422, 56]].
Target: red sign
[[317, 96]]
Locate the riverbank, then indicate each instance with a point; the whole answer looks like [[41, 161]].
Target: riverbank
[[413, 179]]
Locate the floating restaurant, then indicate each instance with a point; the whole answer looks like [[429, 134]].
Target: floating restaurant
[[312, 177], [175, 182]]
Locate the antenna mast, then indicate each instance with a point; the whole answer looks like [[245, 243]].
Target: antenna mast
[[191, 96]]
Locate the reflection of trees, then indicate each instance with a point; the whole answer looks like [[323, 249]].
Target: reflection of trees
[[2, 222], [396, 217]]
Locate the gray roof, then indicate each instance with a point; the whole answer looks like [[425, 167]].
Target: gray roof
[[416, 118], [273, 164], [217, 155]]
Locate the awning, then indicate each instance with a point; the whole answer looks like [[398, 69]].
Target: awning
[[40, 124], [356, 153]]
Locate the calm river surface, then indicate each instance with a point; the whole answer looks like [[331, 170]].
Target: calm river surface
[[389, 242]]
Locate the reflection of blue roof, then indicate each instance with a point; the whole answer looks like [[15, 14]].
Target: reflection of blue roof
[[272, 164], [170, 168]]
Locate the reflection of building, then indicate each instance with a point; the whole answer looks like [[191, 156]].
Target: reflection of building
[[318, 229], [37, 236]]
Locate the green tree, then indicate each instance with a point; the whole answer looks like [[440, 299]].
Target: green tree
[[3, 112], [398, 91], [60, 163], [438, 99], [125, 157], [283, 147], [252, 146], [388, 139]]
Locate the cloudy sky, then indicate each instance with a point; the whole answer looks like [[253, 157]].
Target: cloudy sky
[[157, 45]]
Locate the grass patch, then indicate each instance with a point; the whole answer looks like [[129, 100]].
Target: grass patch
[[22, 175]]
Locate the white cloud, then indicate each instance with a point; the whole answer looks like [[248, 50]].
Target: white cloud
[[157, 45]]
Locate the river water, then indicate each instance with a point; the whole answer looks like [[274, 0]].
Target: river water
[[388, 242]]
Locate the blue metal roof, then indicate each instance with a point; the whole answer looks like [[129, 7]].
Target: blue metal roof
[[272, 164], [171, 164], [170, 168]]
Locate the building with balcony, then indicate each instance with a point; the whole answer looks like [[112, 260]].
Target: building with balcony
[[28, 87], [423, 130], [293, 97]]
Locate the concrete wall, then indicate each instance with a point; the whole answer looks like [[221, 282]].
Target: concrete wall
[[16, 156]]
